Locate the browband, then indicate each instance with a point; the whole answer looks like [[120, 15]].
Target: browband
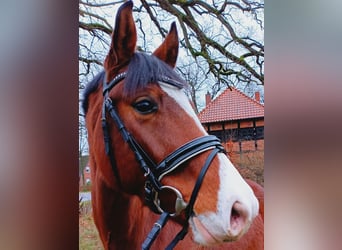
[[121, 76]]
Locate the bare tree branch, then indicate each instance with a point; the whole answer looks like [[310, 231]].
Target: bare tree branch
[[191, 29], [221, 38], [100, 4]]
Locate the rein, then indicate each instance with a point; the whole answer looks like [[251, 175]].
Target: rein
[[155, 172]]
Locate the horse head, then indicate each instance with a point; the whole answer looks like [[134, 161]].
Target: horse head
[[145, 99]]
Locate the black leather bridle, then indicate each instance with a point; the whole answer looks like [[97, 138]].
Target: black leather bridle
[[155, 172]]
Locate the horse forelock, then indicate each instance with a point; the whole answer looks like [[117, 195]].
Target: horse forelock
[[145, 69]]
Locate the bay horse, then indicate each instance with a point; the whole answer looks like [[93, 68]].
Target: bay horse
[[150, 155]]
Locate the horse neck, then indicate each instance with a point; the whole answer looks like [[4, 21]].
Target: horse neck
[[123, 215], [125, 220], [129, 222]]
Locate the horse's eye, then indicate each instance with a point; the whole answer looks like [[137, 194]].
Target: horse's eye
[[145, 106]]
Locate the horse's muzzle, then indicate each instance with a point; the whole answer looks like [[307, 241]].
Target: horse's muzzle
[[209, 230]]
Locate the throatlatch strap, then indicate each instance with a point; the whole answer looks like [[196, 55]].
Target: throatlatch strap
[[108, 148], [155, 231]]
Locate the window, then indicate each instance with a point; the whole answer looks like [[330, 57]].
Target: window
[[242, 134]]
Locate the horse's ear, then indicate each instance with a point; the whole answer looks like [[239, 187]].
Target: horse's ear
[[124, 38], [168, 50]]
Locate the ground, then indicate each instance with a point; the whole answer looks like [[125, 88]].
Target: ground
[[88, 236], [250, 165]]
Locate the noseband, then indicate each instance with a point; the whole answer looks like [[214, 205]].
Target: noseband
[[155, 172]]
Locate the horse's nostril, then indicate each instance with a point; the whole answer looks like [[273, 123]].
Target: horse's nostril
[[235, 214], [238, 218]]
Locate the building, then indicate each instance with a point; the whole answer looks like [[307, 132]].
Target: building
[[84, 171], [236, 119]]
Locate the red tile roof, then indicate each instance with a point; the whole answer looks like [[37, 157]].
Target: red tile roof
[[231, 105]]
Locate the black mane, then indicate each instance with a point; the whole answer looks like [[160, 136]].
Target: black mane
[[91, 87], [143, 69]]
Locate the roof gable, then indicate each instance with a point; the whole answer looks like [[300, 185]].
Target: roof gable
[[232, 104]]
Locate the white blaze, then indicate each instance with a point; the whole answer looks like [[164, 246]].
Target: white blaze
[[232, 186], [183, 101]]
